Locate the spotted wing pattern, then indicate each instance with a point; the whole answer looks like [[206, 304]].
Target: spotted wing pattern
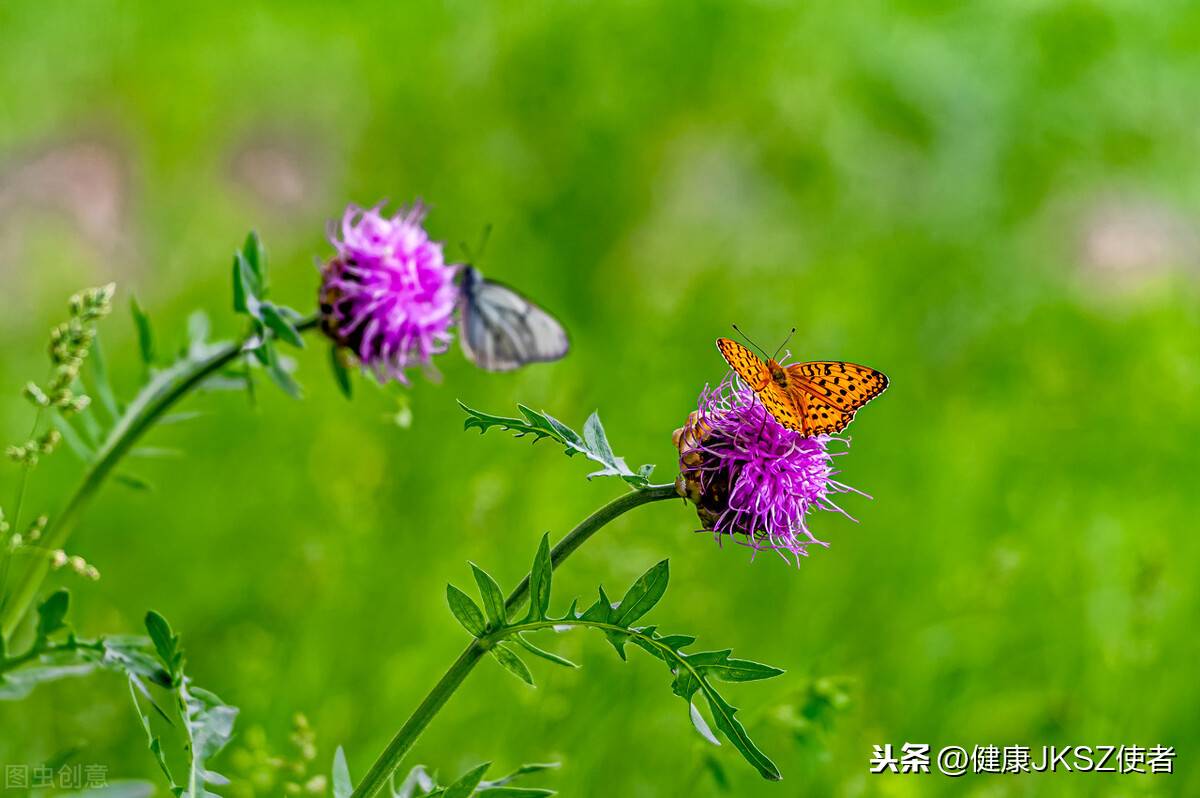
[[829, 392], [748, 365], [820, 398], [846, 386]]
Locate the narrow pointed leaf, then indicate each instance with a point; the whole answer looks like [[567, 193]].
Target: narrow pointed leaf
[[466, 611], [256, 259], [731, 727], [145, 335], [465, 786], [493, 598], [546, 655], [341, 374], [104, 388], [132, 481], [280, 325], [643, 594], [539, 580], [512, 663], [279, 374]]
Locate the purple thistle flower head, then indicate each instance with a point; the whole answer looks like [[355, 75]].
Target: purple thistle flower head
[[751, 478], [388, 295]]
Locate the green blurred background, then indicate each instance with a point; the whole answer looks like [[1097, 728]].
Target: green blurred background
[[993, 203]]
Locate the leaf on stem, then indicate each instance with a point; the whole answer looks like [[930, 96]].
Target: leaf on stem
[[540, 577], [466, 611], [465, 786], [493, 598], [512, 663], [593, 443], [52, 613], [145, 334]]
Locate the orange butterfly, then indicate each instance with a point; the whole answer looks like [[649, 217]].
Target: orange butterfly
[[817, 398]]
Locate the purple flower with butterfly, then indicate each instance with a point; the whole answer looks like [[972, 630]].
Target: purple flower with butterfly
[[389, 297], [752, 479]]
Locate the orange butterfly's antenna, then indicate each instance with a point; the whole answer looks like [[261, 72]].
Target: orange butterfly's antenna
[[738, 330], [782, 345]]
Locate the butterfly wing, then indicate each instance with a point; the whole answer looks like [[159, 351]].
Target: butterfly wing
[[748, 365], [785, 406], [501, 330], [829, 392]]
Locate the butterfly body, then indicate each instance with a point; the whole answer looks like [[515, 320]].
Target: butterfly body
[[813, 398]]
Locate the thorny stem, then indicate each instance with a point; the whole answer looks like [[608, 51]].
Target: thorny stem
[[166, 388], [389, 761]]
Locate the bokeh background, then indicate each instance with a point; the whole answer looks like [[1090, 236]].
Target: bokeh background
[[996, 204]]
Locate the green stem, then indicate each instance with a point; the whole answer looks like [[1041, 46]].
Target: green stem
[[389, 761], [37, 649], [165, 389]]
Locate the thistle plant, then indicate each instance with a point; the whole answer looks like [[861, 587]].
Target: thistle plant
[[388, 302]]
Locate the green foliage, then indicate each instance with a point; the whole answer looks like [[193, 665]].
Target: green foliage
[[57, 653], [200, 720], [692, 672], [592, 444], [269, 322], [420, 783]]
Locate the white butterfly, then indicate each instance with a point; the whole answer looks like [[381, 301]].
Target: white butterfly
[[500, 330]]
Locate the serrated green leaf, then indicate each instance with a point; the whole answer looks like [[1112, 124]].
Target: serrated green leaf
[[601, 611], [540, 577], [511, 662], [466, 611], [342, 786], [145, 334], [341, 375], [593, 444], [643, 594], [466, 784], [724, 716], [726, 669], [493, 598], [53, 612], [280, 324], [155, 745], [538, 652]]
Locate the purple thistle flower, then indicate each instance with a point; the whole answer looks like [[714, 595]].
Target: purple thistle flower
[[388, 295], [750, 477]]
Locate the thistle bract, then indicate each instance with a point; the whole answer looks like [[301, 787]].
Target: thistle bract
[[388, 295], [752, 479]]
